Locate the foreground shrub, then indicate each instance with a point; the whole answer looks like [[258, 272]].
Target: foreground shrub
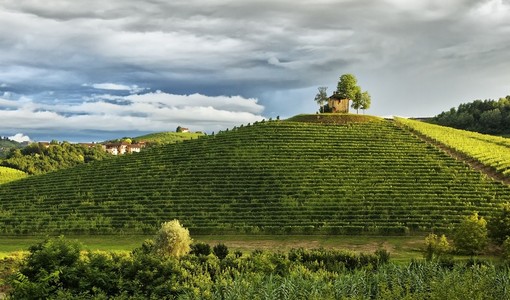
[[470, 235], [198, 249], [172, 239], [436, 247], [221, 251]]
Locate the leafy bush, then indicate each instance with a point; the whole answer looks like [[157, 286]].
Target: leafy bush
[[172, 239], [436, 247], [200, 249], [499, 224], [470, 235], [220, 250]]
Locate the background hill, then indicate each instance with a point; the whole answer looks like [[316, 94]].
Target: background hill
[[161, 138], [274, 177], [488, 116]]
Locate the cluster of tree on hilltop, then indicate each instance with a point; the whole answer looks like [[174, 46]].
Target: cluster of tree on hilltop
[[348, 89], [39, 158], [488, 116]]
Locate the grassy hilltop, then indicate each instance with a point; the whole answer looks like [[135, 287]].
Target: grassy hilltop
[[273, 177]]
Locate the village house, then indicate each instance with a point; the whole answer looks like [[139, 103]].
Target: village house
[[337, 104], [123, 148]]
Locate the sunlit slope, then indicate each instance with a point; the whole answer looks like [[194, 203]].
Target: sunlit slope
[[8, 174], [274, 177], [492, 151]]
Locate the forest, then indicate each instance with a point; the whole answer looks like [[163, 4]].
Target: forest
[[37, 158], [487, 116]]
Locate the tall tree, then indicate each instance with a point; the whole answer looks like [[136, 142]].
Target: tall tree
[[347, 87], [322, 96]]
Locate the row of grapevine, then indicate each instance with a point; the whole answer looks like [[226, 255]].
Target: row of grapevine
[[271, 177], [492, 151]]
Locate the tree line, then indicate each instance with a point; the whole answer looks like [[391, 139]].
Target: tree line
[[487, 116], [37, 158]]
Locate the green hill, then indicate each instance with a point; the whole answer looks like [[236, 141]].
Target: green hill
[[168, 137], [8, 174], [273, 177]]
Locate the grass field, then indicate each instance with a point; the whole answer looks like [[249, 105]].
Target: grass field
[[402, 248]]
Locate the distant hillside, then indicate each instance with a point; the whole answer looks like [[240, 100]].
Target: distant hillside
[[161, 138], [40, 158], [6, 145], [488, 116], [272, 177], [8, 175]]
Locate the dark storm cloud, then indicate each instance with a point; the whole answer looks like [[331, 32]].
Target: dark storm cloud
[[414, 57]]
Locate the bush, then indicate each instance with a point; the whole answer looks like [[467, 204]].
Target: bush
[[436, 247], [51, 264], [221, 251], [172, 240], [506, 249], [499, 224], [200, 249], [471, 235]]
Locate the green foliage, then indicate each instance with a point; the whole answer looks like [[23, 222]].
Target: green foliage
[[36, 158], [51, 265], [361, 101], [347, 87], [172, 239], [488, 116], [470, 235], [297, 274], [9, 174], [7, 145], [322, 96], [506, 249], [220, 251], [499, 224], [199, 249], [163, 138], [491, 151], [363, 176], [436, 247]]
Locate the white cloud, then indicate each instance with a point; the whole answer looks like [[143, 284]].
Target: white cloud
[[142, 112], [116, 87], [20, 138]]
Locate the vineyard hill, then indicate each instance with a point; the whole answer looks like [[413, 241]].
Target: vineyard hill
[[295, 176]]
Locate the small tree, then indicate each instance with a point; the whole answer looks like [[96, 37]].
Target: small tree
[[436, 247], [172, 239], [322, 96], [366, 100], [471, 235], [361, 101]]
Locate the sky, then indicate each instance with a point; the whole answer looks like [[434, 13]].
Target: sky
[[95, 70]]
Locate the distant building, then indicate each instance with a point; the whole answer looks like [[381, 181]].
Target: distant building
[[184, 129], [337, 104], [123, 148]]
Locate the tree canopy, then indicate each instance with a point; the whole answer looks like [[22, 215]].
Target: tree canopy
[[347, 87], [488, 116], [362, 101], [37, 158]]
